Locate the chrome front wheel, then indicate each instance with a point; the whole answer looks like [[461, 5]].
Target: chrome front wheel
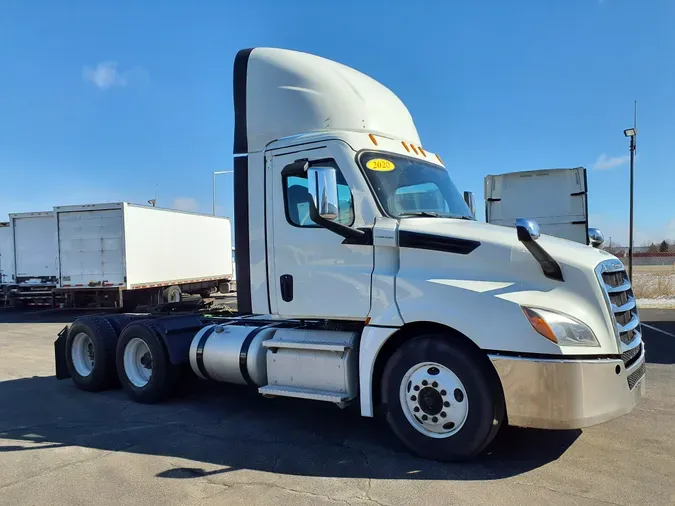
[[434, 400]]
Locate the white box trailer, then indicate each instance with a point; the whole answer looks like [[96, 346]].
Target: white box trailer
[[6, 260], [555, 198], [6, 254], [107, 249], [33, 243]]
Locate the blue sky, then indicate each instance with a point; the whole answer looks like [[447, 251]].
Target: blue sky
[[105, 101]]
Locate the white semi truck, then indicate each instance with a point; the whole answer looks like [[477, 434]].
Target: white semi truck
[[362, 277]]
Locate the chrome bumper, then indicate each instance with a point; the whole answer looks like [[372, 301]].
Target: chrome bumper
[[568, 394]]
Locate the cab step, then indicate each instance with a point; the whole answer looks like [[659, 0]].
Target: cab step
[[304, 393]]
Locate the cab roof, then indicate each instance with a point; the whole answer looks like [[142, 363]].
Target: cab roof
[[280, 93]]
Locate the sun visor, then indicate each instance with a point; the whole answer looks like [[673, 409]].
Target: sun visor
[[280, 93]]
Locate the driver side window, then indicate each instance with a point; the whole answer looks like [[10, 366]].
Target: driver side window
[[296, 198]]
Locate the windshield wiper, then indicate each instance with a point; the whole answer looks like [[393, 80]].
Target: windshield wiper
[[427, 214], [432, 214]]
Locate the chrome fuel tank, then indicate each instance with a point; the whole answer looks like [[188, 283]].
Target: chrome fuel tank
[[231, 353]]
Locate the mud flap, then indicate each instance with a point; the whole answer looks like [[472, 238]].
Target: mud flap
[[60, 354]]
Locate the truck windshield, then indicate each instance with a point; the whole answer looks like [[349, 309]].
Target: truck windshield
[[407, 186]]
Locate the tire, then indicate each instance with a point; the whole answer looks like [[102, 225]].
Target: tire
[[173, 294], [224, 287], [98, 337], [205, 294], [139, 339], [475, 414], [118, 322]]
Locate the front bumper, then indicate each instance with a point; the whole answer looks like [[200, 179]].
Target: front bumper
[[568, 394]]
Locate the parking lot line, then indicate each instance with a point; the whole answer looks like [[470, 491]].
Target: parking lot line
[[658, 330]]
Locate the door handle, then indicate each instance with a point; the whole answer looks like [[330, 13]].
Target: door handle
[[286, 285]]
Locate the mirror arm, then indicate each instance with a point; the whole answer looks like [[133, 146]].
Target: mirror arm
[[337, 228]]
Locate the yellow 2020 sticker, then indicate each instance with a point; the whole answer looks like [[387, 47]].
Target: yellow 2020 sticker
[[381, 165]]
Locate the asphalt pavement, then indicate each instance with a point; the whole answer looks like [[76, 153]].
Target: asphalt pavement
[[223, 444]]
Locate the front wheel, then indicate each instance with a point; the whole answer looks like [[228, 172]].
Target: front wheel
[[442, 398]]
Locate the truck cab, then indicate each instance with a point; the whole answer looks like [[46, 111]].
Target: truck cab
[[362, 276]]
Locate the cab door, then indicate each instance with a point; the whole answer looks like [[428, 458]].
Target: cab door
[[315, 273]]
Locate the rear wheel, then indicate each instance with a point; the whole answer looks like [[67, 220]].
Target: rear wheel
[[145, 371], [90, 353], [173, 294], [224, 287], [442, 398]]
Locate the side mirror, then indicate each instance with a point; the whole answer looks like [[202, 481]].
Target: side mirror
[[470, 200], [595, 237], [322, 185], [528, 230]]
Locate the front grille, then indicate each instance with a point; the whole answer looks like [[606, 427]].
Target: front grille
[[635, 376], [617, 287], [618, 299], [614, 279], [631, 356]]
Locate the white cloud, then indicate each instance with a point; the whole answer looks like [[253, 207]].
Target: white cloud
[[605, 162], [185, 204], [106, 75]]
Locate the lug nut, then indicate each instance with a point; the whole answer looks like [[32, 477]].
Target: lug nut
[[434, 384], [434, 419], [446, 404], [416, 409], [413, 398], [425, 382], [443, 392], [416, 388], [425, 417], [443, 414]]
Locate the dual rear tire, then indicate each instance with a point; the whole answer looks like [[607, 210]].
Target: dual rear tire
[[104, 352]]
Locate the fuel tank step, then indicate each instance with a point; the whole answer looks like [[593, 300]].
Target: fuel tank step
[[308, 345], [304, 393]]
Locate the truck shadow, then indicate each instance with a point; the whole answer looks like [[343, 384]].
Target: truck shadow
[[223, 428]]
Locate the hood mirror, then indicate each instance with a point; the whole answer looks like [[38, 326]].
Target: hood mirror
[[528, 230], [595, 237], [470, 200]]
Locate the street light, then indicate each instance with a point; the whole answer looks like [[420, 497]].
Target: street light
[[632, 134], [213, 176]]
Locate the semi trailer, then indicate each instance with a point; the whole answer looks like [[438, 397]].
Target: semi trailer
[[557, 199], [33, 243], [363, 278], [6, 260], [123, 255]]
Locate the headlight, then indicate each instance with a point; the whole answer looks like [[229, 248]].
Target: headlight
[[560, 328]]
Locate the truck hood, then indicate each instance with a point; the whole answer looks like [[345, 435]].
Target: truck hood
[[474, 277], [563, 251]]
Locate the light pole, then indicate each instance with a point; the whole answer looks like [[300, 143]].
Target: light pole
[[631, 133], [213, 177]]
